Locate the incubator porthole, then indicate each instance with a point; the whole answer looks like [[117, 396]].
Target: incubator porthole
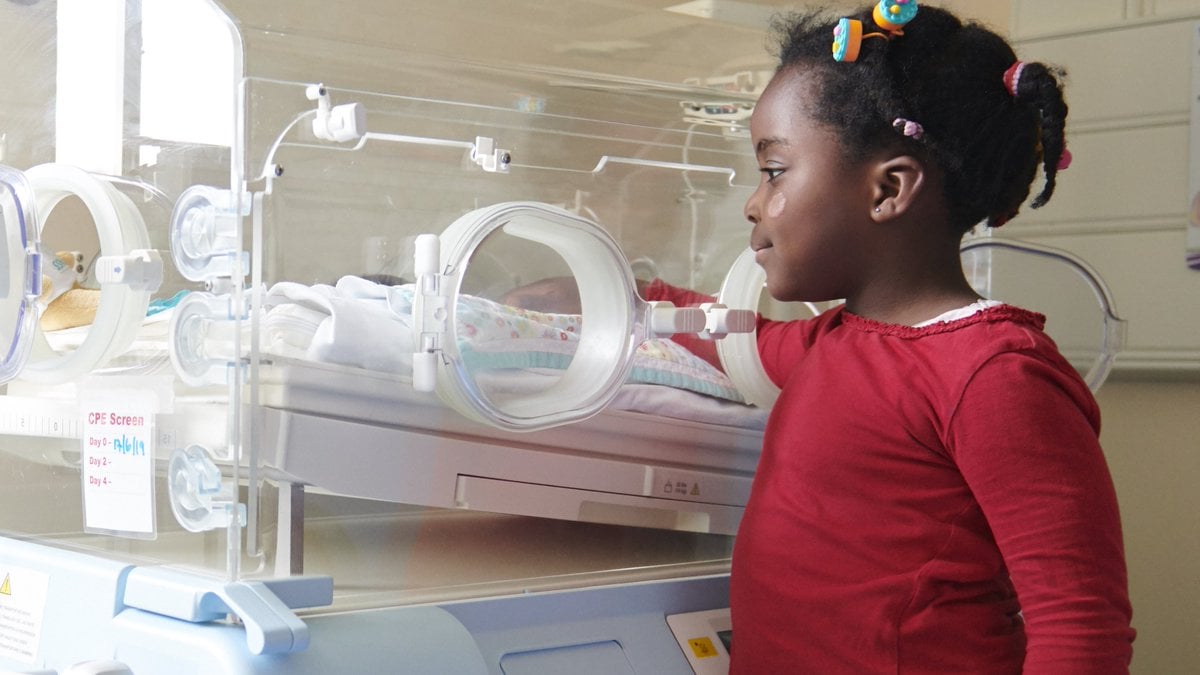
[[183, 489], [191, 335], [196, 236]]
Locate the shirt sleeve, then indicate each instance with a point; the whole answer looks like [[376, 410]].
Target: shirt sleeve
[[1025, 437]]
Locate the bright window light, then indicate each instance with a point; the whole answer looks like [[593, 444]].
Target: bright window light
[[90, 85], [187, 73], [186, 79]]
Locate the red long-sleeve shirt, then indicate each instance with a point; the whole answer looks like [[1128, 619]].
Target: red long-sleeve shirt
[[928, 500]]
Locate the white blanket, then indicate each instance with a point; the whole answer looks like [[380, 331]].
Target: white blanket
[[367, 325]]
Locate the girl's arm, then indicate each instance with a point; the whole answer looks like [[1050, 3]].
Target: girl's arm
[[1025, 437]]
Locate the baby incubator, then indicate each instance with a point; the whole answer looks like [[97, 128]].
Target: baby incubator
[[268, 405]]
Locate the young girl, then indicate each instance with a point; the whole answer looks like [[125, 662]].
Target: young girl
[[931, 495]]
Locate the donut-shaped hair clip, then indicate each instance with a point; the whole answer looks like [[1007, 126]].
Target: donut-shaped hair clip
[[889, 15], [847, 39]]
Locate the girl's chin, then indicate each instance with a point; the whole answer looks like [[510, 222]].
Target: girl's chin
[[774, 292]]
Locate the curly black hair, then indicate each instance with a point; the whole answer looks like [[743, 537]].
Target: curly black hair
[[948, 76]]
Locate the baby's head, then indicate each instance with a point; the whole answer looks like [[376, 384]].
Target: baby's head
[[939, 92]]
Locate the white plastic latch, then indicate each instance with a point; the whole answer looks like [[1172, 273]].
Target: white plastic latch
[[721, 321], [489, 157], [667, 319], [141, 269], [339, 123], [431, 312]]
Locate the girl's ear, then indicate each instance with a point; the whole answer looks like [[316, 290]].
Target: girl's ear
[[896, 184]]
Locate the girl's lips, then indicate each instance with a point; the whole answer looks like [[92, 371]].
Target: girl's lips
[[760, 252]]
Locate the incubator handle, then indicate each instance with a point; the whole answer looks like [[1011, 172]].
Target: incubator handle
[[666, 319], [141, 270], [720, 321]]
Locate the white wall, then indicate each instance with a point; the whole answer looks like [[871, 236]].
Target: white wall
[[1150, 435]]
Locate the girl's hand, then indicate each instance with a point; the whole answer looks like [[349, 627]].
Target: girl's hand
[[555, 295]]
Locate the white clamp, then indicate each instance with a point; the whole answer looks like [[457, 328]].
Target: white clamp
[[341, 123], [666, 319], [430, 312], [721, 321], [489, 157], [141, 270]]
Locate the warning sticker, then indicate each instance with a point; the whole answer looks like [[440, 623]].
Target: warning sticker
[[22, 606]]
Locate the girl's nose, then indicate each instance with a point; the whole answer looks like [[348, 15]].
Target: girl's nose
[[750, 210]]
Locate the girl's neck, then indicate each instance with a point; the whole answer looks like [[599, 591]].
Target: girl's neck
[[911, 311], [910, 294]]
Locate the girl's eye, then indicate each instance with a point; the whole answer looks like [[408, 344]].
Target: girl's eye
[[771, 173]]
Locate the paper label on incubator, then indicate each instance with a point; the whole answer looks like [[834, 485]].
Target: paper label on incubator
[[118, 463], [22, 606]]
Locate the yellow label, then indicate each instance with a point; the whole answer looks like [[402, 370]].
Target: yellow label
[[702, 647]]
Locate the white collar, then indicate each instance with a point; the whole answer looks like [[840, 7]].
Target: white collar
[[960, 313]]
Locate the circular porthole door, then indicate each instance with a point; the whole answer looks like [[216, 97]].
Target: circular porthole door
[[28, 198], [742, 289], [520, 368], [20, 282]]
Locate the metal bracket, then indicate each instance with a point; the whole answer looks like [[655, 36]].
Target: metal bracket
[[489, 157]]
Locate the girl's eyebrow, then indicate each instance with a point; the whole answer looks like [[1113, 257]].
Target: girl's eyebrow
[[767, 143]]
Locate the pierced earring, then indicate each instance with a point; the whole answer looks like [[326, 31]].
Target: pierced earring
[[877, 209]]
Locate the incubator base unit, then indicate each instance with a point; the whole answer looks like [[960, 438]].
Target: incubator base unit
[[101, 617]]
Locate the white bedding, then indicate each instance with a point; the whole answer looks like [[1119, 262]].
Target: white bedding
[[364, 324]]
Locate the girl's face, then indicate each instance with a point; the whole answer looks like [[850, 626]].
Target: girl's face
[[811, 208]]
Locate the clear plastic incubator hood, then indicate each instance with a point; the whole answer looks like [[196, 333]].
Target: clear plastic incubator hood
[[268, 402]]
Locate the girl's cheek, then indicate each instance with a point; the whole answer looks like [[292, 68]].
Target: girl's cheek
[[776, 205]]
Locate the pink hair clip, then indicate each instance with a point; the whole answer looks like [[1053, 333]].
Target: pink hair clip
[[1012, 77], [1064, 160], [908, 128], [1012, 80]]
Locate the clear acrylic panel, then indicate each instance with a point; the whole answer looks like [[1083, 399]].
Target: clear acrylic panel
[[284, 158], [1081, 315]]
